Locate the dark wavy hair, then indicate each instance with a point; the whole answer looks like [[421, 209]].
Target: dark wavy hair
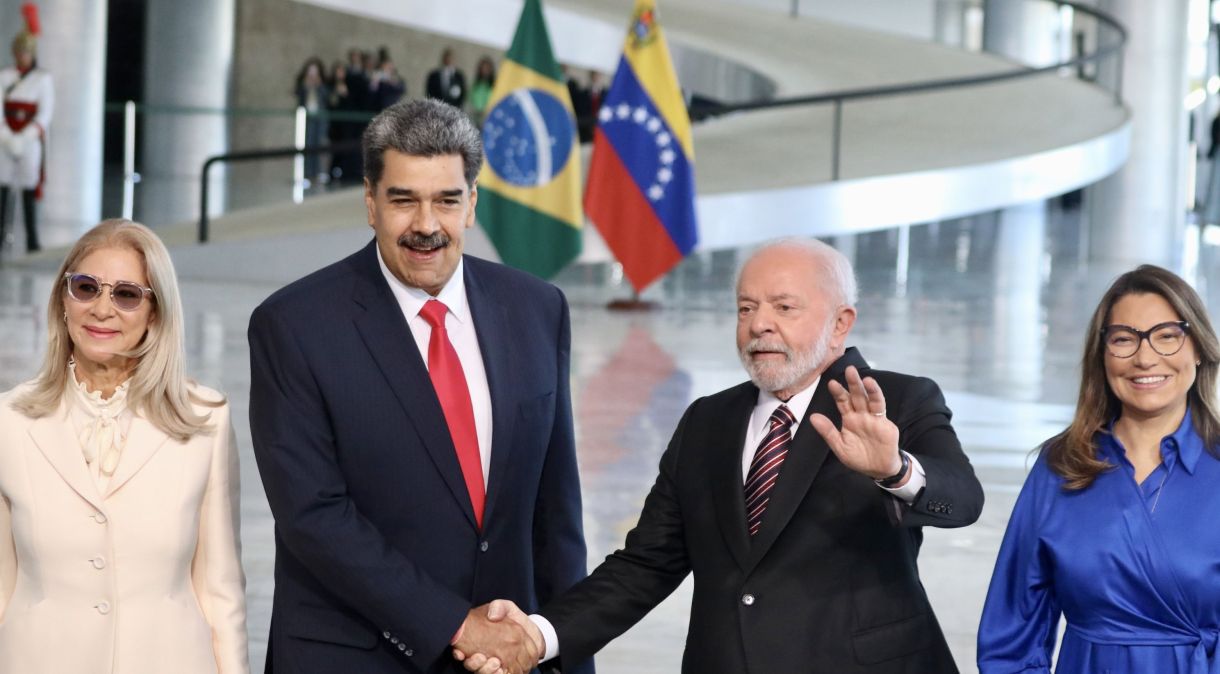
[[1073, 453]]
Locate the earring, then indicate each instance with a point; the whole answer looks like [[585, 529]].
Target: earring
[[65, 316]]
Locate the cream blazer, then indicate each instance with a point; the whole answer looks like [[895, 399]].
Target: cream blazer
[[143, 579]]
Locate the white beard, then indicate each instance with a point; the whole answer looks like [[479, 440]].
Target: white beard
[[796, 365]]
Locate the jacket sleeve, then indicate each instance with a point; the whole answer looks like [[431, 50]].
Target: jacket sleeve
[[8, 555], [1021, 615], [315, 517], [560, 557], [631, 581], [216, 569], [953, 496]]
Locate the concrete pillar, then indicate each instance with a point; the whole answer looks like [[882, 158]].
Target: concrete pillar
[[1028, 32], [73, 48], [189, 59], [1139, 213], [1018, 323]]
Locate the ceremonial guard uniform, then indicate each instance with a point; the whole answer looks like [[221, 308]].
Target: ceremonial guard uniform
[[28, 96]]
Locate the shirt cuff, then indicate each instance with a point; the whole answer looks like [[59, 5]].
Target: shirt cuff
[[918, 480], [550, 639]]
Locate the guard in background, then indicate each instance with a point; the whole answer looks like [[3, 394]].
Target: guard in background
[[28, 96]]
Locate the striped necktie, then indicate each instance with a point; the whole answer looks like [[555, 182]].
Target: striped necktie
[[764, 469]]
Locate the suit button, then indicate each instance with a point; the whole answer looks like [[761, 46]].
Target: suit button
[[103, 607], [100, 518], [385, 635], [483, 546], [98, 562], [394, 640], [747, 599], [409, 653], [402, 647]]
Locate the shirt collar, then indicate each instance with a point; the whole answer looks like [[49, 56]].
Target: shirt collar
[[1188, 442], [1183, 445], [797, 404], [411, 299]]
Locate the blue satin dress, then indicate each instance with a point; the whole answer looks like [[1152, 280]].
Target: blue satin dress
[[1134, 568]]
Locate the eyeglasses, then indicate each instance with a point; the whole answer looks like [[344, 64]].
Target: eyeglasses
[[125, 295], [1166, 339]]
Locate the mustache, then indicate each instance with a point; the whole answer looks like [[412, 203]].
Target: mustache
[[758, 344], [437, 239]]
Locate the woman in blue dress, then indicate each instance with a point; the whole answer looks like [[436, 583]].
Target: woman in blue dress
[[1117, 528]]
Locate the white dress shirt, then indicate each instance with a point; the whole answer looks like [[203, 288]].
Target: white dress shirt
[[798, 404], [758, 428], [460, 326]]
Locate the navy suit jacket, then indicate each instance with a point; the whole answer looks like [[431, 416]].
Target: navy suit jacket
[[378, 558]]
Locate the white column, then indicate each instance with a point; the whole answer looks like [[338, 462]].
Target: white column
[[188, 63], [1139, 214]]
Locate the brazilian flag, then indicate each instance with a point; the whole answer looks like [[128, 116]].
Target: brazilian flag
[[529, 189]]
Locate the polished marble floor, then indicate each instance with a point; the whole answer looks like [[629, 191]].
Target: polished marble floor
[[991, 307]]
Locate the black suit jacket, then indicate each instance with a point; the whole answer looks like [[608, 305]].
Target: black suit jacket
[[829, 584], [454, 95], [378, 557]]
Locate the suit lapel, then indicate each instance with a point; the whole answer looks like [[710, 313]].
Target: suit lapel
[[144, 440], [805, 458], [54, 438], [388, 338], [727, 484], [490, 322]]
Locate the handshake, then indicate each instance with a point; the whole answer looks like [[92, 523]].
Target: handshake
[[499, 638]]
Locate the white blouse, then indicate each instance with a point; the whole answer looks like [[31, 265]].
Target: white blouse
[[101, 424]]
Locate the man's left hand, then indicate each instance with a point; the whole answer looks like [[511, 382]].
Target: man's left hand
[[868, 441]]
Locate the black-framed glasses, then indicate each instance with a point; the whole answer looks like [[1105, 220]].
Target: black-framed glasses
[[125, 295], [1166, 339]]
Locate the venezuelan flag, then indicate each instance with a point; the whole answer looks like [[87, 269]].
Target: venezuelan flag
[[529, 189], [641, 191]]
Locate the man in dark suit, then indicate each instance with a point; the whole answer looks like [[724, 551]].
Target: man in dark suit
[[412, 423], [446, 83], [802, 537]]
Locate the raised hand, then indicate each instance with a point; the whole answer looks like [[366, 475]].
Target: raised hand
[[868, 441], [498, 638]]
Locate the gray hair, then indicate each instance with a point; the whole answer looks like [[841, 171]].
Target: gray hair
[[422, 128], [836, 273], [159, 387]]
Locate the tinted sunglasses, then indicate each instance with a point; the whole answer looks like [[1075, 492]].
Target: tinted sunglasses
[[124, 295]]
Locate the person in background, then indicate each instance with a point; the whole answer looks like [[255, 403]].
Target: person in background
[[118, 483], [385, 86], [28, 96], [313, 94], [1113, 528], [480, 89], [447, 83]]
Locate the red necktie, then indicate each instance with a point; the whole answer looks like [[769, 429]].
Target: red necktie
[[445, 369], [764, 469]]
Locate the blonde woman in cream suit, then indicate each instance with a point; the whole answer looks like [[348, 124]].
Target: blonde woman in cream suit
[[119, 549]]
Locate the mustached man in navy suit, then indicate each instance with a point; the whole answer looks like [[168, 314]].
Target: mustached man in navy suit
[[412, 422]]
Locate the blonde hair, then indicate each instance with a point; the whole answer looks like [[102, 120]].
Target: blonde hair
[[158, 389]]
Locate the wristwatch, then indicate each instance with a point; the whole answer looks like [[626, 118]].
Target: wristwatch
[[892, 481]]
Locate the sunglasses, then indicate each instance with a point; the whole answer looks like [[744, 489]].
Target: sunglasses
[[124, 295]]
